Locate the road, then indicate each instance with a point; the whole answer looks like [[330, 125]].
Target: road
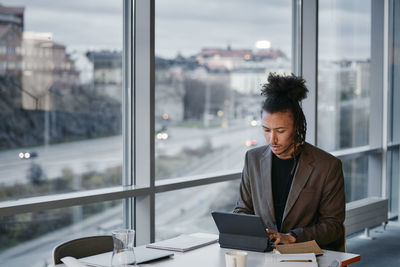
[[102, 153], [80, 156]]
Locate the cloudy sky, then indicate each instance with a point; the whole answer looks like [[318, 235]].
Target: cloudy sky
[[196, 24], [186, 26], [79, 24]]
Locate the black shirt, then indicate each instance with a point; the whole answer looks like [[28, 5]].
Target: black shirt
[[281, 183]]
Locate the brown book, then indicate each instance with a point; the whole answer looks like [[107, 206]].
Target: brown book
[[303, 247]]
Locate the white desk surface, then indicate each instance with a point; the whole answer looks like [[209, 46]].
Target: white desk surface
[[214, 256]]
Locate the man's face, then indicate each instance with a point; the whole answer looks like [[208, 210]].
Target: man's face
[[279, 132]]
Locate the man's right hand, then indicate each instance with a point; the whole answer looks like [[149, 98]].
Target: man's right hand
[[280, 238]]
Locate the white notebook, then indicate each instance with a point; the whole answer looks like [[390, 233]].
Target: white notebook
[[184, 243]]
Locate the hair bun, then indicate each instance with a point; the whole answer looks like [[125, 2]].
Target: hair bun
[[290, 86]]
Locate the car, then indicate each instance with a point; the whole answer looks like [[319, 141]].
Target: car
[[27, 154], [251, 142], [254, 123], [162, 136]]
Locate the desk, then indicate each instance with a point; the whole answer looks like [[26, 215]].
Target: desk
[[214, 256]]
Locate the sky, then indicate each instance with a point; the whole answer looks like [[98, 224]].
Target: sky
[[207, 23], [79, 24], [187, 26]]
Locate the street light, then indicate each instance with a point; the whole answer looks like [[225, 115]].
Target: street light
[[36, 99]]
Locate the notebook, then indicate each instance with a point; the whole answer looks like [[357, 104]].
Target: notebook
[[184, 243]]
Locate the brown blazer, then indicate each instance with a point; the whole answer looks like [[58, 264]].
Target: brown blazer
[[315, 208]]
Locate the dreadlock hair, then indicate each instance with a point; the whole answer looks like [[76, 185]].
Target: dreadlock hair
[[284, 93]]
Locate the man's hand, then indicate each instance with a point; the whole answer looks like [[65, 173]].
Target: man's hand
[[280, 238]]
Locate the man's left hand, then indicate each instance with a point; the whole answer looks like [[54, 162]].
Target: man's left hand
[[280, 237]]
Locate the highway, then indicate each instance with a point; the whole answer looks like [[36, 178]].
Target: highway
[[102, 153], [80, 156]]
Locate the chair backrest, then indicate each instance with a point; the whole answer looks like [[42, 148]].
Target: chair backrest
[[83, 247]]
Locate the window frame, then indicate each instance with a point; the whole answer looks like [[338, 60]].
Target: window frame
[[139, 187]]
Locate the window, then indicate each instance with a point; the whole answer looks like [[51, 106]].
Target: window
[[210, 61], [209, 68], [344, 58], [355, 178], [343, 73], [208, 79], [392, 186], [10, 50], [175, 216], [10, 36], [11, 65], [61, 135], [3, 50], [37, 233]]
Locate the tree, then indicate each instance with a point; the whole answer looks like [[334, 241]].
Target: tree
[[35, 174]]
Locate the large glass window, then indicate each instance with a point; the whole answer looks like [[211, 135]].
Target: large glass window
[[355, 173], [28, 238], [60, 96], [175, 216], [211, 60], [60, 102], [392, 186], [344, 54]]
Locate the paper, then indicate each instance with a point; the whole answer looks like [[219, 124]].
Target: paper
[[303, 247], [72, 262], [184, 243], [291, 260]]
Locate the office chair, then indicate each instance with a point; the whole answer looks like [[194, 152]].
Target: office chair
[[83, 247]]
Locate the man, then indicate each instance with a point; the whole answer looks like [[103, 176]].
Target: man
[[296, 188]]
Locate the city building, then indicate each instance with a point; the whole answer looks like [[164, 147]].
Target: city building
[[11, 28], [48, 71], [107, 72]]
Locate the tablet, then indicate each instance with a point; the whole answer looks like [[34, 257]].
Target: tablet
[[241, 231]]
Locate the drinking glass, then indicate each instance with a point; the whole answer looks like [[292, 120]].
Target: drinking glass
[[123, 253]]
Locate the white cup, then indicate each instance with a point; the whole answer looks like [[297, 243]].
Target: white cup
[[235, 259]]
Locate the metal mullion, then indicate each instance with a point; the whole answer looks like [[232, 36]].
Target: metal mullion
[[309, 65], [395, 78], [395, 95], [355, 151], [127, 178], [107, 194], [70, 199], [144, 206], [152, 123], [296, 36], [385, 96], [376, 120], [391, 71], [188, 182]]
